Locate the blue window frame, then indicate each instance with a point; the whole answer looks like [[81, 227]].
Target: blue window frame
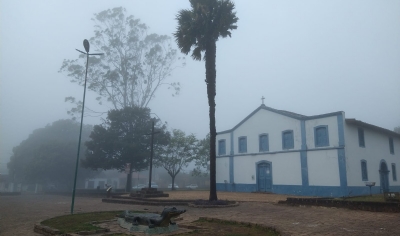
[[287, 139], [221, 147], [263, 143], [364, 170], [242, 144], [321, 136], [391, 147], [394, 174], [361, 140]]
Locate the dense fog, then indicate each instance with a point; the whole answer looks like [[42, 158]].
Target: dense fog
[[307, 57]]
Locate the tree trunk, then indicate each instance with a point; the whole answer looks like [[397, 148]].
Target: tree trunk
[[128, 186], [173, 182], [211, 92]]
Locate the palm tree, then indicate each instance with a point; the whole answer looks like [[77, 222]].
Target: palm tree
[[200, 28]]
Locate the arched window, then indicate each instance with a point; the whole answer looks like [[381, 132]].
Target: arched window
[[287, 139], [391, 146], [221, 147], [364, 170], [242, 144], [263, 143], [361, 140], [321, 136], [394, 174]]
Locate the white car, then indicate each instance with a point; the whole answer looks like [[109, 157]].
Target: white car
[[175, 186], [139, 186], [192, 186]]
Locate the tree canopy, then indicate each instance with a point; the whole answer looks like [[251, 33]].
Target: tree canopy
[[177, 153], [198, 30], [202, 160], [134, 66], [48, 155], [123, 138]]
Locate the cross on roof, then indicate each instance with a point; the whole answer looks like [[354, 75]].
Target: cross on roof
[[262, 99]]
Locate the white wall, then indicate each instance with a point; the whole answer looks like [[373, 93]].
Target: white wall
[[286, 168], [222, 169], [323, 168], [271, 123], [333, 131], [376, 148]]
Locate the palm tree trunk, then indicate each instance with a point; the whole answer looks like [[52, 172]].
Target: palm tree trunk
[[211, 92]]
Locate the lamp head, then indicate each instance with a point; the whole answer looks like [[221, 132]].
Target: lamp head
[[86, 45]]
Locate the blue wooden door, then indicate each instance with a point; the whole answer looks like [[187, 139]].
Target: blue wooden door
[[264, 177], [384, 177]]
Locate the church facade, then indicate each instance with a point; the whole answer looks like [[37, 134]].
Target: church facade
[[324, 155]]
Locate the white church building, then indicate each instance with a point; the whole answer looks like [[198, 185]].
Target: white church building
[[323, 155]]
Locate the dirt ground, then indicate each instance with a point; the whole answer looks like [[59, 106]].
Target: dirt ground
[[231, 196], [18, 214]]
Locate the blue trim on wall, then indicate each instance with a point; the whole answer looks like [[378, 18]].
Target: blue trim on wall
[[303, 135], [340, 129], [341, 156], [231, 163], [342, 170], [231, 174], [232, 144], [304, 168], [298, 190], [303, 155], [285, 151]]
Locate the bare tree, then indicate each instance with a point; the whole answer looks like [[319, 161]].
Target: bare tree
[[134, 66]]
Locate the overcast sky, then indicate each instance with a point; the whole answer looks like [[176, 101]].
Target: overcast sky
[[308, 57]]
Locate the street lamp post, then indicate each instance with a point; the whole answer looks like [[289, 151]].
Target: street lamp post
[[87, 47], [151, 152]]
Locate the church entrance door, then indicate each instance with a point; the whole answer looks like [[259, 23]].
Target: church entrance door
[[264, 177]]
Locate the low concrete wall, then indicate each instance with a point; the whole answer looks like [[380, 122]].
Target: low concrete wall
[[355, 205], [101, 193], [10, 193]]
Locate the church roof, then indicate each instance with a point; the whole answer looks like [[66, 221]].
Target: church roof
[[303, 117], [372, 127], [282, 112]]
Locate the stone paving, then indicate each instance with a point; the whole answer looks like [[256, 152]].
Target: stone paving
[[18, 214]]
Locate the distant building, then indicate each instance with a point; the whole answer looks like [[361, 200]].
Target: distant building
[[324, 155]]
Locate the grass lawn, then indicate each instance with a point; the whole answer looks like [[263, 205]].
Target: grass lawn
[[81, 222], [228, 228], [367, 198]]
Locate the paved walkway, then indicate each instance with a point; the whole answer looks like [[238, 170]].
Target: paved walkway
[[19, 213]]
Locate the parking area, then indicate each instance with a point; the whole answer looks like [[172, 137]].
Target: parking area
[[18, 214]]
